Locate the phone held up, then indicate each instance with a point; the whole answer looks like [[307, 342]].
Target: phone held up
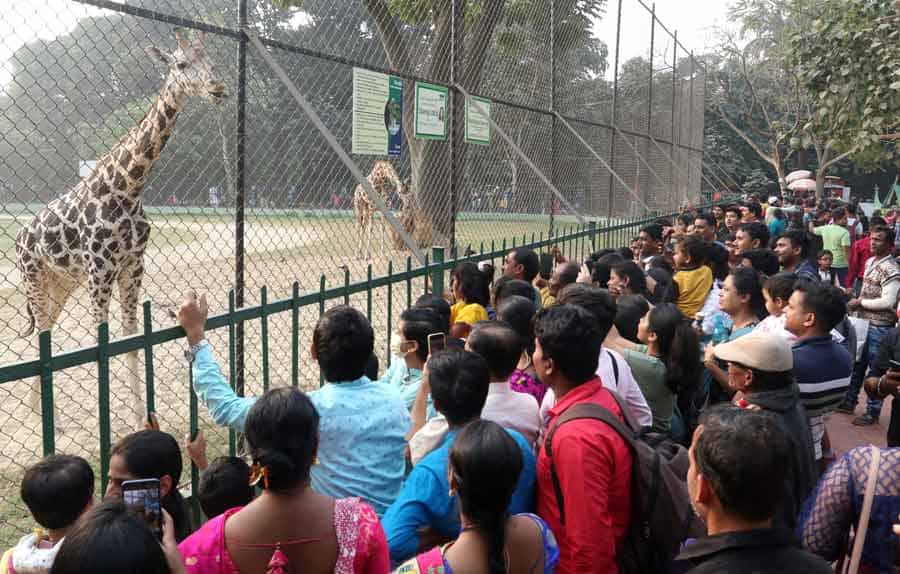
[[142, 497], [436, 342]]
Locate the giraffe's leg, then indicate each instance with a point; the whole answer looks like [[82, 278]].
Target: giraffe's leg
[[383, 223], [361, 230], [129, 279], [37, 298]]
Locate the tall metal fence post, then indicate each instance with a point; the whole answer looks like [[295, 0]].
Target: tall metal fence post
[[437, 272], [553, 151], [457, 150], [48, 427], [614, 118], [239, 195], [650, 93], [674, 112]]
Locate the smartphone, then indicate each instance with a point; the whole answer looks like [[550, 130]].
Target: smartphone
[[142, 498], [436, 342], [546, 269]]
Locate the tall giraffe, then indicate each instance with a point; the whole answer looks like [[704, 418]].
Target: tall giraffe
[[98, 231], [381, 178]]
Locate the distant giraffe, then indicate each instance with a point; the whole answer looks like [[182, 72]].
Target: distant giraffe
[[97, 231], [382, 178], [409, 207]]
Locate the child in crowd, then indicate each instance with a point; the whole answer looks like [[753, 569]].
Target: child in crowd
[[826, 274], [472, 296], [693, 278], [56, 490], [776, 291], [223, 485]]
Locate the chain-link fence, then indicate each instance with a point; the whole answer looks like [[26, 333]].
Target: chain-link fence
[[249, 193]]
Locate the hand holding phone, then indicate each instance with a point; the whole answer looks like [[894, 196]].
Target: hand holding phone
[[142, 497]]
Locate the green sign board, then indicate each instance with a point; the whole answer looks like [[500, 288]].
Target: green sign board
[[478, 124], [431, 111], [377, 113]]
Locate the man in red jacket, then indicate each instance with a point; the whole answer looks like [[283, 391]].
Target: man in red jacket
[[860, 252], [592, 462]]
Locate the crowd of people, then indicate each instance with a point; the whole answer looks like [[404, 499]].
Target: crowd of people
[[522, 418]]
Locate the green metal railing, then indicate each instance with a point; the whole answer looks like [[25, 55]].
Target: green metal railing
[[573, 242]]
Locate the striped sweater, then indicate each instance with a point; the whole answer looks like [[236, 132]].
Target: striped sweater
[[822, 369]]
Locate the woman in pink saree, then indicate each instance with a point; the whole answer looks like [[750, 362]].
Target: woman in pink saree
[[289, 528]]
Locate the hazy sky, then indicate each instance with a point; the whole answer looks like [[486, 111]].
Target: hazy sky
[[22, 21], [693, 19]]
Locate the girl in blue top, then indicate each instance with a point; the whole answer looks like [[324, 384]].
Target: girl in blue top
[[484, 468]]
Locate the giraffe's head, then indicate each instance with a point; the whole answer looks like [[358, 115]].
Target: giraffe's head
[[190, 69]]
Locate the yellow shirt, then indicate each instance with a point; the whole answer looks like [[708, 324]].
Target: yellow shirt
[[547, 300], [468, 314], [693, 287]]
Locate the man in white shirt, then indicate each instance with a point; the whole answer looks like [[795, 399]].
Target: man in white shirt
[[501, 347], [613, 370]]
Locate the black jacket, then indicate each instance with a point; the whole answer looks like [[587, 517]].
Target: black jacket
[[785, 404], [764, 551]]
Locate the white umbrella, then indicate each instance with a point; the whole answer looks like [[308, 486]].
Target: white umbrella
[[799, 174], [802, 185]]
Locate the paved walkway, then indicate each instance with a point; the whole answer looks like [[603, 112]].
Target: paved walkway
[[845, 436]]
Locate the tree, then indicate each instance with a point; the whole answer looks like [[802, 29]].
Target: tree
[[847, 58], [416, 36], [754, 90]]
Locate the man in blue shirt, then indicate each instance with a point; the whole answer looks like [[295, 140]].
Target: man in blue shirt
[[362, 424], [458, 382]]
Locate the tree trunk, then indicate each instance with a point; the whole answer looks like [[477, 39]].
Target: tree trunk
[[820, 185], [431, 162]]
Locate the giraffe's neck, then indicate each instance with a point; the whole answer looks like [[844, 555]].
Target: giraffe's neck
[[124, 169]]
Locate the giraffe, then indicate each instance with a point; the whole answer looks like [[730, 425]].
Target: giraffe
[[97, 231], [409, 207], [381, 178]]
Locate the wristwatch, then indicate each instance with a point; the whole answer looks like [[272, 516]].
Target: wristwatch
[[191, 352]]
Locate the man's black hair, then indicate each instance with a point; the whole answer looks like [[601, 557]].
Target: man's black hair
[[827, 302], [654, 230], [500, 346], [440, 306], [570, 336], [529, 260], [505, 288], [708, 217], [763, 260], [595, 300], [518, 312], [838, 213], [756, 230], [745, 455], [459, 382], [736, 209], [343, 339], [887, 231], [418, 323], [57, 489], [798, 238], [224, 484], [755, 208]]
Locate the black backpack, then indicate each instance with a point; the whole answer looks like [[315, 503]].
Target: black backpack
[[661, 514]]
